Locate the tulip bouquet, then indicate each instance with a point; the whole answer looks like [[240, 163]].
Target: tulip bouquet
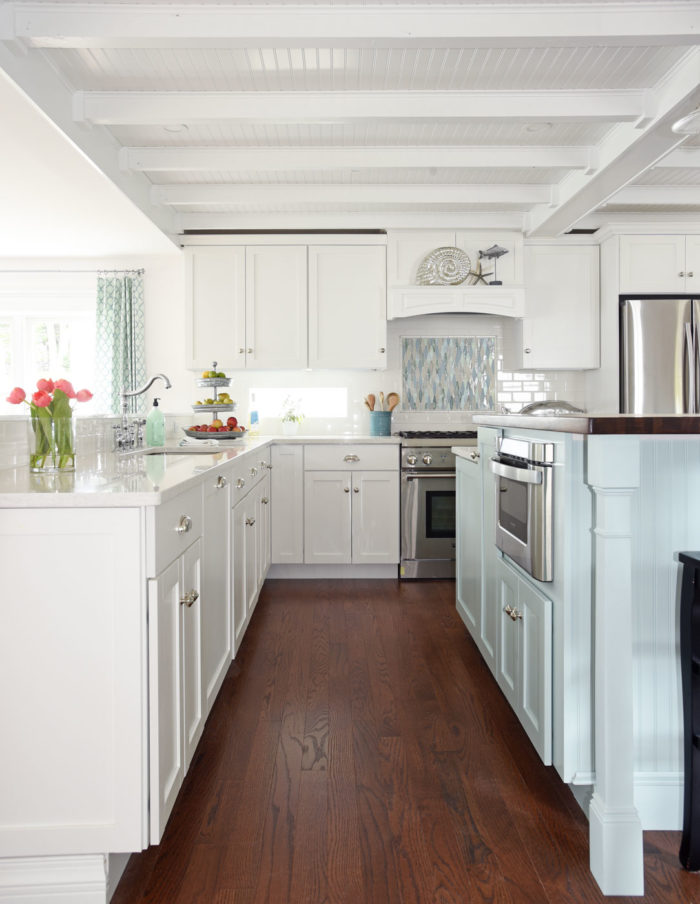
[[51, 415]]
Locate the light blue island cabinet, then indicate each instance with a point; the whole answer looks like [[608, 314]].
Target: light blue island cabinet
[[625, 493]]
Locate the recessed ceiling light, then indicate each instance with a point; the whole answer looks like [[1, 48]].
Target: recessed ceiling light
[[538, 126], [688, 125], [176, 127]]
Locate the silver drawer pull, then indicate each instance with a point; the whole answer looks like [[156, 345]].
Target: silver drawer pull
[[253, 472], [250, 522], [352, 457], [264, 500], [221, 482], [240, 483], [189, 599], [184, 525]]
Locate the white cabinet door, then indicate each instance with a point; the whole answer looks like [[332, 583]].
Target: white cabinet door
[[489, 624], [375, 517], [262, 532], [241, 555], [508, 648], [535, 701], [287, 490], [327, 517], [192, 687], [216, 590], [692, 263], [652, 263], [562, 320], [276, 306], [215, 304], [347, 306], [468, 541]]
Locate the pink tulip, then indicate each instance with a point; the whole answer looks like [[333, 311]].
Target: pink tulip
[[41, 399], [83, 395], [16, 396], [65, 386], [45, 385]]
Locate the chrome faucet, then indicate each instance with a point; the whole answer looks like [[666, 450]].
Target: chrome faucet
[[128, 436], [125, 394]]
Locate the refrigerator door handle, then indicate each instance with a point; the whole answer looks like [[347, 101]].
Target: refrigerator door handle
[[692, 366]]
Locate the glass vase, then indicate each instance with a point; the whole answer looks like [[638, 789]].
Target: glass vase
[[51, 444]]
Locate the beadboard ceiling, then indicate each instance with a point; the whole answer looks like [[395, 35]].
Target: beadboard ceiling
[[371, 114]]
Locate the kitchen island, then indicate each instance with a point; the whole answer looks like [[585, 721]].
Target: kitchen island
[[637, 481], [129, 586]]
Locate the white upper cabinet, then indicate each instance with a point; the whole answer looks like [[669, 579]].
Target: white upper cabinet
[[287, 305], [561, 326], [347, 306], [661, 264], [275, 307], [215, 305]]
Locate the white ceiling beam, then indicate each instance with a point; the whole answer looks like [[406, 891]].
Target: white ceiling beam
[[194, 195], [208, 24], [680, 158], [194, 159], [624, 154], [39, 82], [168, 107], [662, 195], [376, 219]]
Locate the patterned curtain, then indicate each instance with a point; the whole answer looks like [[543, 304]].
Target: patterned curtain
[[121, 356]]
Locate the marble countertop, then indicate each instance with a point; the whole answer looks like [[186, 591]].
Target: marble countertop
[[137, 479], [598, 424]]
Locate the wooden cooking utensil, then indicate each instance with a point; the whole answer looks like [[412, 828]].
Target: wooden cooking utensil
[[371, 401], [392, 400], [381, 401]]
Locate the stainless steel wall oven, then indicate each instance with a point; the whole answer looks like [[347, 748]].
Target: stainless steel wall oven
[[523, 489], [428, 502]]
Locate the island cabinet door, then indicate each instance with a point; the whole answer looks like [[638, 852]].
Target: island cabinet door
[[327, 517]]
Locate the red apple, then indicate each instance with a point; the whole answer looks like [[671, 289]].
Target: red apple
[[231, 422], [212, 429], [223, 430]]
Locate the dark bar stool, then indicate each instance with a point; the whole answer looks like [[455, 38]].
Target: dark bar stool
[[690, 677]]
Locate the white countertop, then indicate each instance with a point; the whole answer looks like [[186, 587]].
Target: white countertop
[[113, 481]]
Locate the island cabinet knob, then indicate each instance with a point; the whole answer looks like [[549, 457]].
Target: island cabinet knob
[[221, 482], [682, 273], [189, 599], [690, 273], [240, 483], [264, 500], [241, 351], [356, 489], [382, 351], [346, 489], [184, 525], [250, 522], [527, 351], [253, 472]]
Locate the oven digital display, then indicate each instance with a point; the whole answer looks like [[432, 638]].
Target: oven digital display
[[440, 513], [512, 508]]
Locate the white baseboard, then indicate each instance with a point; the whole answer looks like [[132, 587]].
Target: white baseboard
[[116, 864], [53, 880], [315, 572], [658, 797]]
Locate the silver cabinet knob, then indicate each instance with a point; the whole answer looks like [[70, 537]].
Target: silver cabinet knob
[[253, 472], [189, 599], [264, 500], [690, 273], [527, 350], [682, 273], [221, 482], [241, 351], [474, 455], [184, 525], [264, 465], [240, 483], [356, 489], [250, 351], [249, 522], [346, 489], [382, 351]]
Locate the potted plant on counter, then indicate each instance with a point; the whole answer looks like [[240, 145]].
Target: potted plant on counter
[[291, 416]]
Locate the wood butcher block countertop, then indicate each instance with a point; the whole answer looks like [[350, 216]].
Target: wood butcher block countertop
[[598, 425]]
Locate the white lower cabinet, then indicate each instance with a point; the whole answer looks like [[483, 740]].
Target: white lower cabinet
[[525, 656], [216, 584], [287, 489], [176, 698], [250, 534]]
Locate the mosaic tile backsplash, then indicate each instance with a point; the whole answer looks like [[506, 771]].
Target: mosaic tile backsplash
[[448, 374]]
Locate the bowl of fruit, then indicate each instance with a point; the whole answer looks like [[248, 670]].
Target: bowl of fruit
[[217, 430], [214, 378]]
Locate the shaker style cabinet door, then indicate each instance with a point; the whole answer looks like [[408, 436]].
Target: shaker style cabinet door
[[327, 517], [652, 264], [468, 541], [216, 590], [276, 290], [215, 305], [347, 306], [287, 489], [375, 514]]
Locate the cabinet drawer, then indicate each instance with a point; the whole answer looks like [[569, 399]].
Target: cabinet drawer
[[358, 457], [172, 527]]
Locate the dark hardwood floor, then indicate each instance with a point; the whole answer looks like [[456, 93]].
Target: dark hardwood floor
[[361, 752]]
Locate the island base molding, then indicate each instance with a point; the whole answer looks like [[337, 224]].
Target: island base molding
[[615, 839], [78, 879], [321, 572]]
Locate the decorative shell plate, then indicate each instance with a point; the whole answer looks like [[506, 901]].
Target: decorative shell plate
[[445, 266]]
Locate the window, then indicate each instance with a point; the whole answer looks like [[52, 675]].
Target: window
[[47, 329], [311, 401]]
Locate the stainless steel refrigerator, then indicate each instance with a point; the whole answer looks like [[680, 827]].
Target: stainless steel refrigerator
[[659, 345]]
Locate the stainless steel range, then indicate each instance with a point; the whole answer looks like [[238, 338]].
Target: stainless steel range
[[428, 502]]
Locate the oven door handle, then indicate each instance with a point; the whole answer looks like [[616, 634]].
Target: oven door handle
[[428, 475], [519, 475]]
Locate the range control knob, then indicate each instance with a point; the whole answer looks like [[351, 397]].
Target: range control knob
[[411, 459], [427, 458]]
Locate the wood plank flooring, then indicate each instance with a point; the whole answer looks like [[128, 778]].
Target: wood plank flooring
[[361, 753]]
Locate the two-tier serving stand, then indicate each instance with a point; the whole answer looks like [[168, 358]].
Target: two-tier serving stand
[[214, 384]]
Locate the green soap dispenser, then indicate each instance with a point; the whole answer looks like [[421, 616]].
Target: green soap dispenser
[[155, 426]]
